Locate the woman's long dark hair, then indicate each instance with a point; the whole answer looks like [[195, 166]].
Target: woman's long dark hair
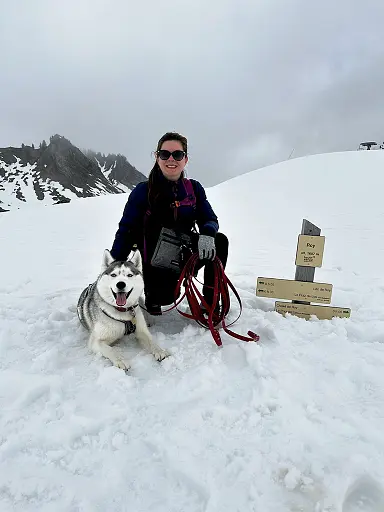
[[155, 176]]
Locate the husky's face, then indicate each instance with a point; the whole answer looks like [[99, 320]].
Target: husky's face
[[121, 282]]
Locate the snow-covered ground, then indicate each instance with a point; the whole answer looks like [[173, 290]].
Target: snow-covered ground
[[286, 424]]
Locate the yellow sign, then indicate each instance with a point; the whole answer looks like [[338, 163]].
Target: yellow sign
[[310, 251], [294, 290], [306, 310]]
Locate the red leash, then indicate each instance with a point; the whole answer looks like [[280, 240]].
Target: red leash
[[220, 295]]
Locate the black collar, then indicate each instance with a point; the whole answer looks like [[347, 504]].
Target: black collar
[[131, 310]]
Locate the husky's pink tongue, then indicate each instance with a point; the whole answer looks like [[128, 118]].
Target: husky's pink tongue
[[121, 298]]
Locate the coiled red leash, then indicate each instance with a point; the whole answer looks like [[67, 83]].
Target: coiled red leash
[[220, 296]]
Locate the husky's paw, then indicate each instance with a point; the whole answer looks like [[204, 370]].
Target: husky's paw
[[159, 354], [120, 363]]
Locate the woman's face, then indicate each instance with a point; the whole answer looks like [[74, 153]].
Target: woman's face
[[172, 168]]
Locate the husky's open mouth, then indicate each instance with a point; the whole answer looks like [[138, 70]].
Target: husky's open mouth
[[121, 297]]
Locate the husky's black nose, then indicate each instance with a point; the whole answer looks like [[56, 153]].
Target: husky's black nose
[[120, 285]]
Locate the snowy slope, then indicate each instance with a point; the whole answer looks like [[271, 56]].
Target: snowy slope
[[108, 170], [284, 425], [58, 173], [22, 186]]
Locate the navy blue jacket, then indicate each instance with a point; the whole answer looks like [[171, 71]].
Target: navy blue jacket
[[131, 225]]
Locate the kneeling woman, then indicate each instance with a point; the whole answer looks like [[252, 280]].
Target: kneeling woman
[[162, 201]]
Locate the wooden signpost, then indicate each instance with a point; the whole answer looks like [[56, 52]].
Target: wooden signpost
[[305, 310], [294, 290], [303, 290]]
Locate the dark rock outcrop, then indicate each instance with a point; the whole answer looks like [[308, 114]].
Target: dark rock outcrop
[[58, 171]]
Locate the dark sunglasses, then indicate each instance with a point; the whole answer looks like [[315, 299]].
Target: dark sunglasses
[[177, 155]]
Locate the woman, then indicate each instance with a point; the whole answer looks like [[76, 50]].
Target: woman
[[155, 204]]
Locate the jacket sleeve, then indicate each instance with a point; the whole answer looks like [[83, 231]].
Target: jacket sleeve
[[131, 223], [205, 216]]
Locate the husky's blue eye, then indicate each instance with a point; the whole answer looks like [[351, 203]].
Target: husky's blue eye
[[113, 275], [129, 275]]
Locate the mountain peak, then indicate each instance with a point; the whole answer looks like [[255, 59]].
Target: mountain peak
[[59, 141]]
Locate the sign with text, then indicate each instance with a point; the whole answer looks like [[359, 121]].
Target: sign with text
[[294, 290], [306, 310], [310, 251]]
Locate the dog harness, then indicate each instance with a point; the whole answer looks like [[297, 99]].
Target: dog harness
[[130, 325]]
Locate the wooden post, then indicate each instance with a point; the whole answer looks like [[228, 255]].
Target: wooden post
[[306, 274]]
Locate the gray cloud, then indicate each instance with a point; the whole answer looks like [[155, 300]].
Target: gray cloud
[[246, 81]]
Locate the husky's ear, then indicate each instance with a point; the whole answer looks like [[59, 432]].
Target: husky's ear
[[107, 260], [137, 261]]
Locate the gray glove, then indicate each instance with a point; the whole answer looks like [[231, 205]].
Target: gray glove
[[206, 246]]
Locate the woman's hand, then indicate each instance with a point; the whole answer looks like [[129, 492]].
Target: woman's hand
[[206, 247]]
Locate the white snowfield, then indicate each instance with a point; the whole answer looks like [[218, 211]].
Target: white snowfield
[[292, 423]]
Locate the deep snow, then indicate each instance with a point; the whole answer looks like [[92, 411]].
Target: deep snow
[[287, 424]]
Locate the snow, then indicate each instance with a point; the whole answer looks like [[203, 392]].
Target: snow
[[50, 189], [22, 182], [106, 170], [122, 187], [292, 423], [101, 167], [107, 173]]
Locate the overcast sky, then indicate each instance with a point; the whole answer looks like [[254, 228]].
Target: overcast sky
[[247, 81]]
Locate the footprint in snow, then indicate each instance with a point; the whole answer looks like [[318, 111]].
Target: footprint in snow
[[364, 495]]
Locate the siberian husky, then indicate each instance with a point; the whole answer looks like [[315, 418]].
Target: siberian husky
[[109, 309]]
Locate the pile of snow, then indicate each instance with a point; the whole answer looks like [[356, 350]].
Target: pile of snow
[[287, 424]]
